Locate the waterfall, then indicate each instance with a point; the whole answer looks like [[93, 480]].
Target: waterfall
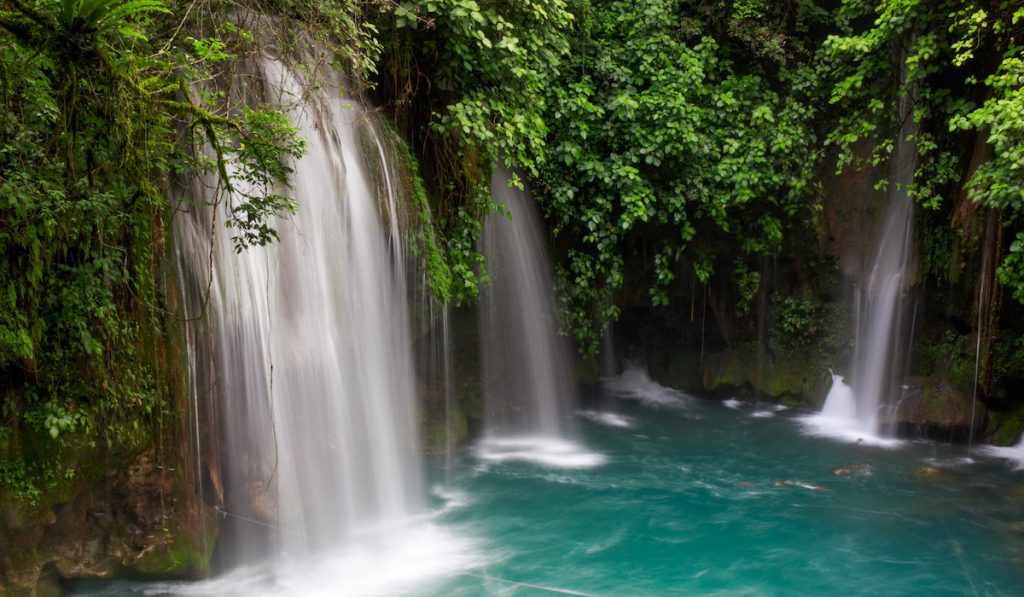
[[528, 389], [840, 404], [880, 348], [527, 383], [312, 356], [880, 337]]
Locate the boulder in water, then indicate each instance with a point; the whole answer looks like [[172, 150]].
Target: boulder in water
[[937, 409]]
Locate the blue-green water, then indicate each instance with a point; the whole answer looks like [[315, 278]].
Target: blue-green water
[[697, 500], [687, 503]]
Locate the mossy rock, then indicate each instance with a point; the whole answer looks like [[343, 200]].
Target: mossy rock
[[586, 370], [681, 371], [439, 439], [793, 378], [731, 369], [469, 396], [185, 553], [1006, 427], [938, 409], [140, 519]]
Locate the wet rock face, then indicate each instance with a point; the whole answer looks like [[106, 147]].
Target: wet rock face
[[784, 376], [937, 409], [132, 522]]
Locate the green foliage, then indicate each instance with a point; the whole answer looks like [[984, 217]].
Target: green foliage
[[263, 143], [688, 130], [950, 356], [803, 324], [93, 99], [964, 71], [487, 65], [500, 57], [99, 17]]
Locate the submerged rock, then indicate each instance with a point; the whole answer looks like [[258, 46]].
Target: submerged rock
[[853, 469], [933, 473]]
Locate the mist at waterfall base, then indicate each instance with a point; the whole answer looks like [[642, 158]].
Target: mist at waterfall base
[[1014, 453], [839, 418]]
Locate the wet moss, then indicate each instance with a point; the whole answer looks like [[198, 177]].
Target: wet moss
[[185, 552], [792, 377], [1007, 427]]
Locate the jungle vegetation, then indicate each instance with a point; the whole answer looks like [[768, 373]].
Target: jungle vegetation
[[669, 143]]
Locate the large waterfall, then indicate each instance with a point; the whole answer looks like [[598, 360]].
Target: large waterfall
[[311, 362], [528, 389]]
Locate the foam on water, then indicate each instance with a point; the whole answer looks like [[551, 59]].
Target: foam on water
[[732, 403], [607, 418], [635, 384], [838, 419], [450, 498], [840, 429], [762, 414], [545, 451], [401, 563], [1014, 453]]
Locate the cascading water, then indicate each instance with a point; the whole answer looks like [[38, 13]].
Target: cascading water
[[312, 362], [527, 385], [880, 348], [840, 404], [1014, 453]]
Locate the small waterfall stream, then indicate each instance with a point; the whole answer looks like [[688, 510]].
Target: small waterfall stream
[[526, 367], [879, 306], [528, 388], [312, 362]]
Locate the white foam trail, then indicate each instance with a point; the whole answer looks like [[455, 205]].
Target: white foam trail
[[635, 384], [840, 430], [1014, 453], [732, 403], [762, 414], [779, 407], [607, 418], [545, 451], [452, 498]]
